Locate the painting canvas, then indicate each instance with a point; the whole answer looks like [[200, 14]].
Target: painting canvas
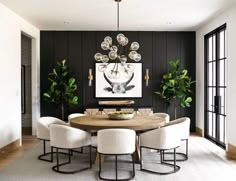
[[129, 85]]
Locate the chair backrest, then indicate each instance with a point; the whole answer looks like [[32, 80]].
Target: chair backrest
[[163, 138], [116, 141], [107, 111], [43, 126], [185, 126], [163, 115], [145, 111], [74, 115], [92, 112], [63, 136]]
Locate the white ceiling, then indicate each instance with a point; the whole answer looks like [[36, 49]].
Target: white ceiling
[[101, 14]]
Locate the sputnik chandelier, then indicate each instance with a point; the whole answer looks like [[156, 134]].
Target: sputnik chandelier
[[118, 54]]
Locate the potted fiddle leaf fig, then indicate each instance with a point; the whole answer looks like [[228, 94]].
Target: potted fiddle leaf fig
[[176, 86], [62, 87]]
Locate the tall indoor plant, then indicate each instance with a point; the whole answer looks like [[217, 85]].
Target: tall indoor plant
[[176, 86], [62, 87]]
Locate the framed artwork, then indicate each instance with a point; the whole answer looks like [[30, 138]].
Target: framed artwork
[[123, 86], [22, 89]]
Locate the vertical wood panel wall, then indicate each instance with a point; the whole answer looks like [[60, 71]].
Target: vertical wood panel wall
[[79, 47]]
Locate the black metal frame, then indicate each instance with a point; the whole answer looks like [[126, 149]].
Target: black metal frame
[[128, 98], [56, 167], [176, 167], [40, 157], [23, 89], [217, 105], [116, 155], [184, 155]]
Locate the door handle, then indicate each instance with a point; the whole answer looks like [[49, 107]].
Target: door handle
[[217, 105]]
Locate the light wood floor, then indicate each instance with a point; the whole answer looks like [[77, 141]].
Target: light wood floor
[[27, 143]]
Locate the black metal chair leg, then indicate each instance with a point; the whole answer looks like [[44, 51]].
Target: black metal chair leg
[[116, 169], [174, 166], [44, 147], [187, 148], [133, 165], [141, 159], [69, 156], [174, 159], [183, 155], [51, 153], [56, 167], [57, 160], [41, 157], [161, 156], [90, 156], [100, 165]]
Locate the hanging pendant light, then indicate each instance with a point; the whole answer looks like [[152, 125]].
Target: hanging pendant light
[[118, 54]]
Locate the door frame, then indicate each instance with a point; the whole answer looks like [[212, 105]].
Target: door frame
[[224, 26], [35, 77]]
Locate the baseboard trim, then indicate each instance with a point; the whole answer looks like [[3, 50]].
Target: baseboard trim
[[231, 153], [199, 131], [10, 147]]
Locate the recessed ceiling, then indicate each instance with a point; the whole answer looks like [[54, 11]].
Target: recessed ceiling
[[150, 15]]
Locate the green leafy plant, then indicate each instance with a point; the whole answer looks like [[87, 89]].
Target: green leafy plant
[[176, 86], [62, 88]]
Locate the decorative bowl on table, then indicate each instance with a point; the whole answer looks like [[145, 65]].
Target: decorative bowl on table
[[120, 115]]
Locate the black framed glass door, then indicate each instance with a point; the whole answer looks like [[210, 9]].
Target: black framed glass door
[[215, 85]]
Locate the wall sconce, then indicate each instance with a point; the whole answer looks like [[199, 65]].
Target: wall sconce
[[90, 77], [146, 77]]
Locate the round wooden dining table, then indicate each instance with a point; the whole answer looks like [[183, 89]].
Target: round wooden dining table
[[97, 122], [138, 123]]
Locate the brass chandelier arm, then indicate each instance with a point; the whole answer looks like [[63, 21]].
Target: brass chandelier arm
[[118, 16], [118, 53]]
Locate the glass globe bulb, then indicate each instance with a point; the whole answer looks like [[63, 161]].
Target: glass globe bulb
[[121, 39], [134, 46], [132, 55], [102, 67], [119, 36], [114, 48], [112, 55], [126, 41], [105, 58], [98, 56], [108, 39], [105, 45], [123, 59], [137, 57]]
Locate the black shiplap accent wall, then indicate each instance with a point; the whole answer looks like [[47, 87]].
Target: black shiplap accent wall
[[79, 47]]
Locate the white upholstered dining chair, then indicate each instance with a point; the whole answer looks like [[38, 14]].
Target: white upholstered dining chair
[[185, 133], [163, 115], [43, 133], [165, 138], [68, 138], [116, 142], [74, 115], [93, 138]]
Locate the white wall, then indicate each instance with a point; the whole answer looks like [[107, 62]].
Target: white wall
[[229, 17], [10, 77]]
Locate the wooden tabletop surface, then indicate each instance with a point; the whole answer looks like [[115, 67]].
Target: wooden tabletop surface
[[97, 122]]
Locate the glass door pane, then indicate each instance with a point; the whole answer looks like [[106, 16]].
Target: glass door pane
[[215, 86]]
